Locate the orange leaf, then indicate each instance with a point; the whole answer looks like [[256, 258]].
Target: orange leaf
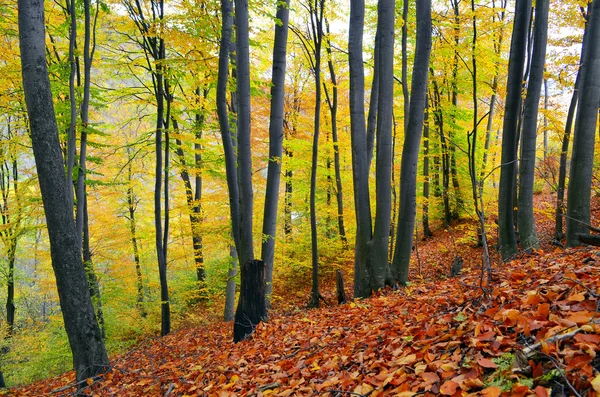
[[581, 317], [588, 338], [487, 363], [449, 388], [541, 391], [492, 391], [577, 297]]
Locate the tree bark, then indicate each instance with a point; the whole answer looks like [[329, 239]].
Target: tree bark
[[360, 165], [562, 170], [507, 242], [333, 107], [582, 158], [252, 306], [527, 232], [275, 143], [426, 230], [316, 8], [410, 151], [85, 339]]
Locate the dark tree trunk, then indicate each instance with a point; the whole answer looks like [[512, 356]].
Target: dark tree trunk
[[373, 103], [405, 93], [379, 244], [582, 158], [445, 154], [360, 165], [85, 338], [412, 140], [333, 107], [316, 9], [275, 143], [426, 230], [507, 242], [527, 232], [562, 171], [244, 157], [340, 290], [252, 306]]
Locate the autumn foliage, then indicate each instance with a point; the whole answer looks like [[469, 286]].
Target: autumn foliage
[[532, 330]]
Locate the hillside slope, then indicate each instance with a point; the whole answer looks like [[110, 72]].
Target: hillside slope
[[449, 337]]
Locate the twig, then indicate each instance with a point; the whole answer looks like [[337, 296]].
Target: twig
[[170, 389], [530, 350], [269, 386]]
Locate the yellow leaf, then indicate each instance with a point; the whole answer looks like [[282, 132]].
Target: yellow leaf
[[596, 383], [411, 358]]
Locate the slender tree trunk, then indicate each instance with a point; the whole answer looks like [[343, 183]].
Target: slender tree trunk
[[379, 267], [333, 106], [373, 102], [562, 171], [527, 232], [405, 93], [410, 151], [132, 207], [439, 120], [85, 339], [360, 165], [507, 242], [426, 230], [10, 287], [316, 16], [229, 313], [244, 157], [275, 144], [582, 158]]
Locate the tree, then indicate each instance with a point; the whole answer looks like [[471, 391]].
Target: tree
[[562, 171], [371, 268], [275, 142], [527, 232], [153, 44], [85, 338], [412, 140], [507, 242], [582, 158]]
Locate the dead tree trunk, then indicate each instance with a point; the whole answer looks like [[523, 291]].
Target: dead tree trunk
[[252, 306]]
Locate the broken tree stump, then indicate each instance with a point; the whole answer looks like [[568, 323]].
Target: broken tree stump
[[457, 265], [252, 305], [339, 282]]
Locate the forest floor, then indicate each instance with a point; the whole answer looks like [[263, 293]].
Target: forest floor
[[533, 329]]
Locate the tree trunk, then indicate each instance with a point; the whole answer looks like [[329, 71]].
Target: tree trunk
[[527, 232], [562, 170], [410, 151], [231, 285], [275, 143], [507, 242], [316, 9], [379, 245], [582, 158], [426, 230], [252, 307], [85, 339], [333, 107], [360, 166], [131, 207]]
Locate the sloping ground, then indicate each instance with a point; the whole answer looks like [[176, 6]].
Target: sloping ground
[[449, 337]]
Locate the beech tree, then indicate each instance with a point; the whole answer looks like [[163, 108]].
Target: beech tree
[[507, 242], [584, 136], [371, 268], [527, 232], [412, 141], [85, 338]]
